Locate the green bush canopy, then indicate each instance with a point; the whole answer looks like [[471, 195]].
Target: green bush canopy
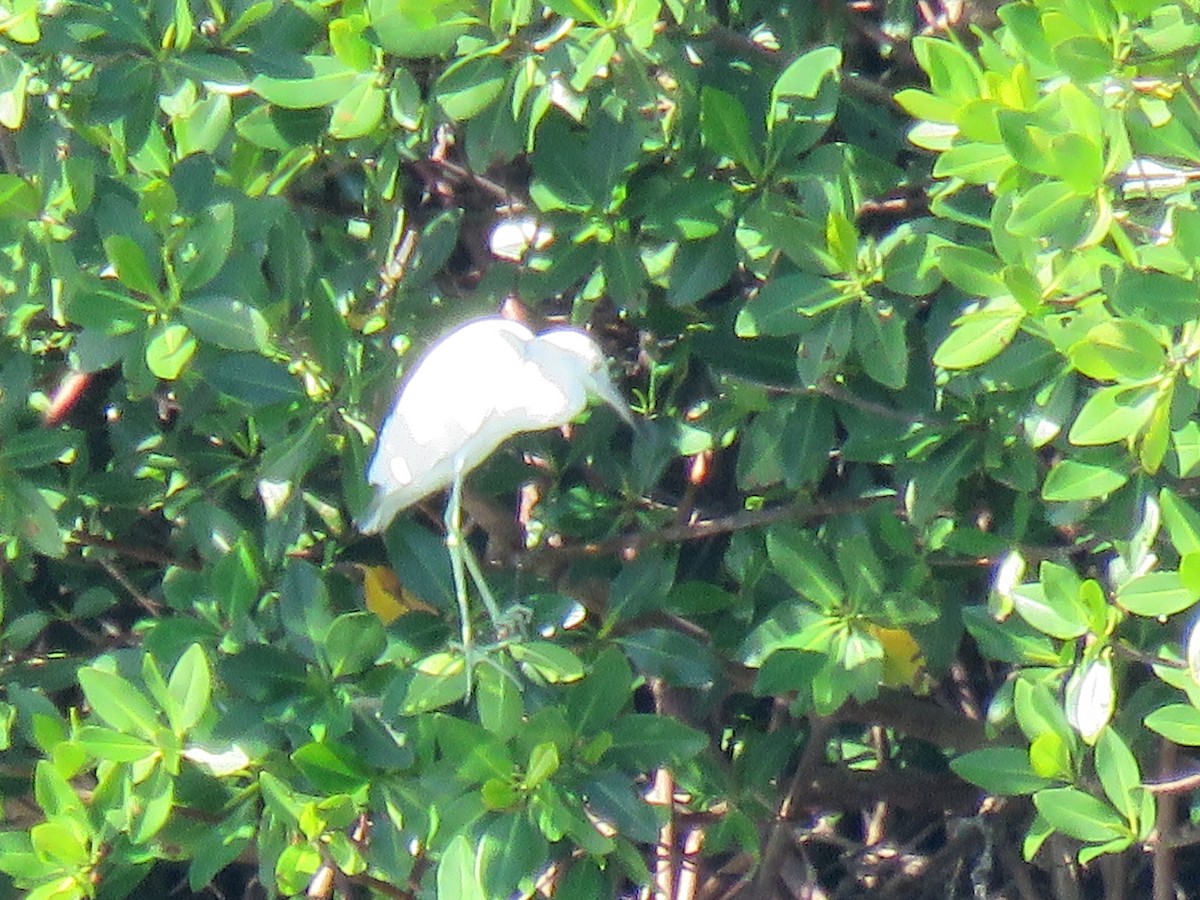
[[889, 593]]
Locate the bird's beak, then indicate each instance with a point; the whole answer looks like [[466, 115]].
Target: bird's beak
[[606, 391]]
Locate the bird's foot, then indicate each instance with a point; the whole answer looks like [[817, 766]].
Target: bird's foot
[[474, 656], [513, 624]]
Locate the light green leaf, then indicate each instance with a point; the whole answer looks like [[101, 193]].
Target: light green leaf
[[325, 80], [1155, 594], [1047, 209], [1072, 479], [169, 350], [999, 770], [1177, 722], [1112, 414], [980, 335], [118, 702], [190, 685], [1079, 815], [1119, 349]]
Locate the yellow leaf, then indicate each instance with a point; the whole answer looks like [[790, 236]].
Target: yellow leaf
[[386, 597], [903, 662]]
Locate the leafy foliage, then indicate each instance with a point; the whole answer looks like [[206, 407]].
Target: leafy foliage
[[221, 223]]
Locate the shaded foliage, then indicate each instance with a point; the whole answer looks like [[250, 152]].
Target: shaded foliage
[[909, 517]]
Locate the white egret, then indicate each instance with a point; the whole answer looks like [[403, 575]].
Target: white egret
[[473, 389]]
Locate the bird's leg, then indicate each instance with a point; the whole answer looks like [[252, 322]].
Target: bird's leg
[[485, 592], [455, 545]]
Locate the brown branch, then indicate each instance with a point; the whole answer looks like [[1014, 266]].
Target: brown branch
[[141, 554], [706, 528], [151, 608]]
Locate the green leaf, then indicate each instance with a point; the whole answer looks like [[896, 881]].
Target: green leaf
[[1182, 521], [1079, 815], [595, 62], [359, 112], [980, 335], [59, 842], [226, 322], [331, 767], [130, 262], [118, 702], [1049, 208], [498, 700], [725, 128], [18, 199], [1059, 618], [204, 127], [676, 658], [974, 163], [1177, 722], [1119, 775], [701, 268], [249, 378], [169, 350], [1072, 479], [559, 181], [33, 449], [784, 305], [456, 873], [804, 99], [1113, 414], [191, 687], [105, 743], [440, 680], [579, 9], [420, 28], [353, 643], [881, 344], [1155, 594], [924, 105], [698, 210], [935, 480], [543, 763], [953, 72], [999, 770], [1156, 297], [107, 311], [511, 850], [1118, 350], [470, 85], [803, 564], [642, 584], [647, 741], [553, 663], [155, 800], [596, 700], [973, 271], [207, 248], [323, 80]]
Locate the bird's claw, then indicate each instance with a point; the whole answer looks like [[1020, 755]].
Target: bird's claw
[[514, 623]]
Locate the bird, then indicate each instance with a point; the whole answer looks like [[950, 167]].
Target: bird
[[477, 386], [480, 384]]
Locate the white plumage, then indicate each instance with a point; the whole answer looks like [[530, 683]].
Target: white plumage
[[473, 389]]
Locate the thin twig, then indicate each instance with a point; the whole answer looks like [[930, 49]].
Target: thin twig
[[151, 608], [141, 554], [707, 528]]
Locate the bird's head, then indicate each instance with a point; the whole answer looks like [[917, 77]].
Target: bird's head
[[582, 352]]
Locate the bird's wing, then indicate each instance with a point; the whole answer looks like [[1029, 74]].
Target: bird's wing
[[540, 397], [445, 407]]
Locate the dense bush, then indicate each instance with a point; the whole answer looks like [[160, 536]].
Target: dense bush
[[910, 508]]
